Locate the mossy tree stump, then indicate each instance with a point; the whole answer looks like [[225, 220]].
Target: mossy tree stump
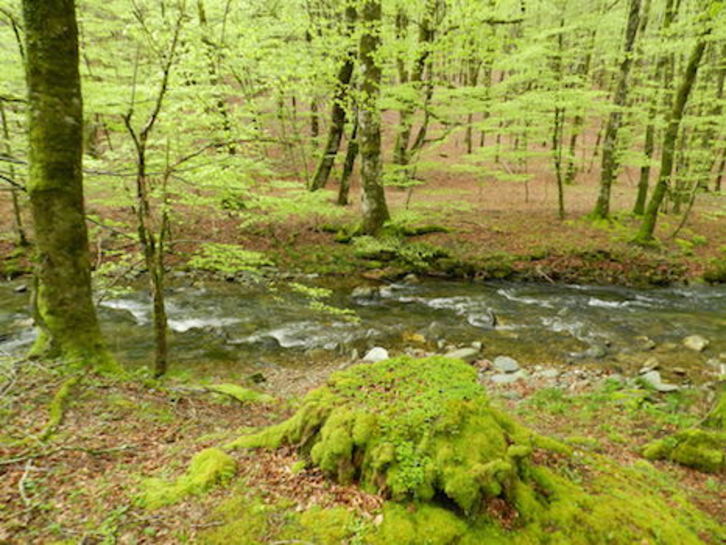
[[422, 433]]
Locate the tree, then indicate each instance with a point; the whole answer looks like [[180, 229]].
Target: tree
[[338, 113], [64, 311], [610, 145], [647, 227], [375, 209]]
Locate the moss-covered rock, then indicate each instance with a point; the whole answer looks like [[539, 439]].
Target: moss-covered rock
[[207, 468], [423, 434], [701, 448]]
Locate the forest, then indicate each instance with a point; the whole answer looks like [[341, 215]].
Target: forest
[[363, 272]]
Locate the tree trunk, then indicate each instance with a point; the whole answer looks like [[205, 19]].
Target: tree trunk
[[337, 115], [610, 163], [22, 239], [375, 210], [401, 152], [647, 228], [671, 12], [64, 311], [350, 157]]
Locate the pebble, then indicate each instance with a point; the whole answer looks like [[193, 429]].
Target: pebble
[[22, 288], [376, 354], [505, 364]]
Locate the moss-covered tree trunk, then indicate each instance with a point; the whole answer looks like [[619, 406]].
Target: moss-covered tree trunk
[[350, 157], [610, 162], [375, 209], [647, 227], [64, 308], [337, 115]]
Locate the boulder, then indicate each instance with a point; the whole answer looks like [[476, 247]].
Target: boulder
[[505, 364]]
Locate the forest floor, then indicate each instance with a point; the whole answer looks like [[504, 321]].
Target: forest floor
[[492, 229], [82, 482]]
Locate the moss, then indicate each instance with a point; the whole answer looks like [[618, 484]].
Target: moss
[[208, 468], [56, 408], [700, 449], [243, 395], [422, 433], [328, 526]]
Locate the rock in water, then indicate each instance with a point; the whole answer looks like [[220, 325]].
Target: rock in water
[[366, 293], [505, 364], [696, 343], [468, 354], [376, 354]]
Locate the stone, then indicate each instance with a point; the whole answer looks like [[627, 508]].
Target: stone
[[680, 371], [696, 343], [22, 288], [376, 354], [651, 364], [508, 378], [468, 354], [365, 292], [654, 380], [411, 279], [505, 364], [549, 373], [486, 320], [477, 344], [645, 343]]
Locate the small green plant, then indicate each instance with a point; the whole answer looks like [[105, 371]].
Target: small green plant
[[228, 259]]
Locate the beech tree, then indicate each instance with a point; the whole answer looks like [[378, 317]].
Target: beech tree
[[64, 311], [375, 209]]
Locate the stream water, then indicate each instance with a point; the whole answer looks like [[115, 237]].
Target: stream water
[[241, 325]]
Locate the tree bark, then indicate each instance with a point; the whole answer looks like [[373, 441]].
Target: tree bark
[[610, 163], [337, 115], [375, 210], [647, 227], [348, 165], [64, 311]]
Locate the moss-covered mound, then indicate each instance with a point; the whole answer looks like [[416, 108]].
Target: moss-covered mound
[[701, 448], [422, 433]]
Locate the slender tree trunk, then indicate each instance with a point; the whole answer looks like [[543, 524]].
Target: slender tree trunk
[[647, 228], [610, 163], [337, 115], [720, 172], [22, 239], [401, 152], [213, 54], [64, 311], [661, 75], [375, 209], [557, 154], [348, 165]]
